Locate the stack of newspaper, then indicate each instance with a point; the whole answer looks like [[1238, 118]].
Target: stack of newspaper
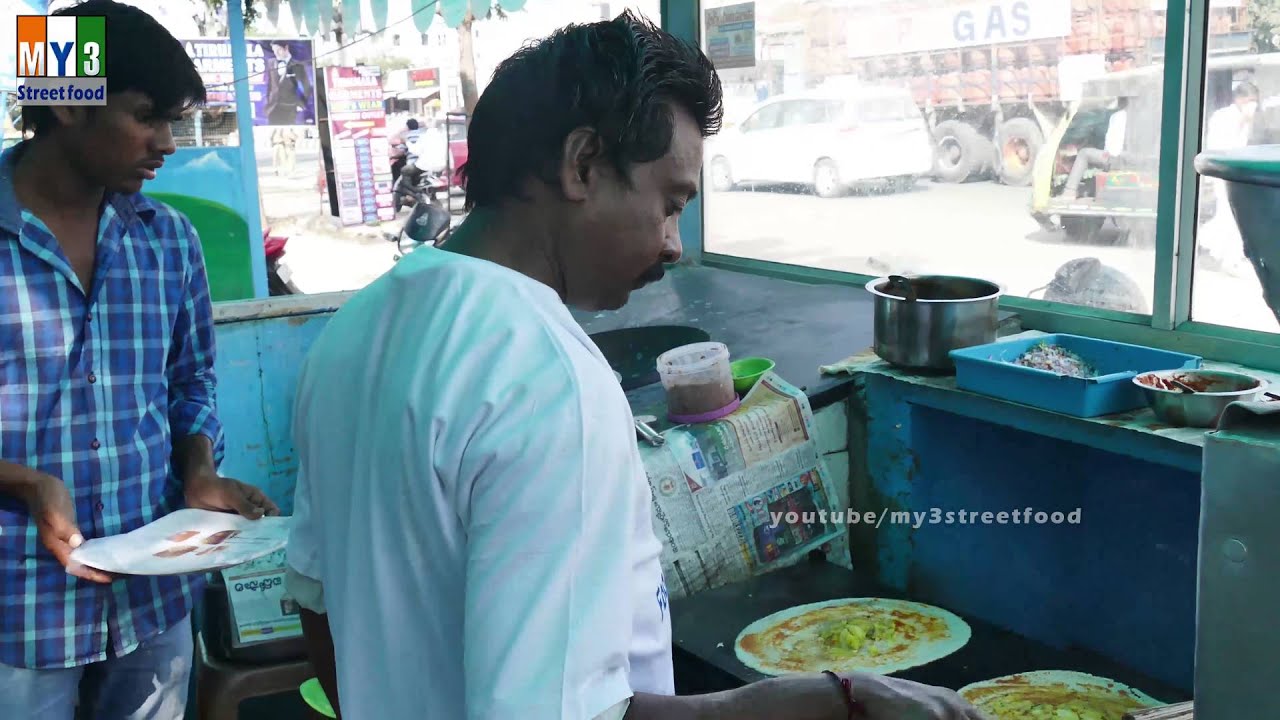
[[742, 495]]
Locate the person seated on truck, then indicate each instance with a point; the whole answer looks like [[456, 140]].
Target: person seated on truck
[[1104, 159]]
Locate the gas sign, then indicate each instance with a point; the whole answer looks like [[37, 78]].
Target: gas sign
[[873, 33]]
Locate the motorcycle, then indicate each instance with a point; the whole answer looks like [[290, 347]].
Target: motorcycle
[[279, 275], [416, 186], [429, 223]]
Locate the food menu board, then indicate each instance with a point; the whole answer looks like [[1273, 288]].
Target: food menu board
[[358, 142]]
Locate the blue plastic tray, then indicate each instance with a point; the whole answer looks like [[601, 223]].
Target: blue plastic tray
[[989, 370]]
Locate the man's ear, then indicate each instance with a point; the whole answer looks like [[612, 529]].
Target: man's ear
[[71, 115], [580, 163]]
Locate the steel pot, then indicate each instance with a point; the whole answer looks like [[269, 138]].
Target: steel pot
[[919, 320]]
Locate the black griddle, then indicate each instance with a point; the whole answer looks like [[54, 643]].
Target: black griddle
[[705, 626]]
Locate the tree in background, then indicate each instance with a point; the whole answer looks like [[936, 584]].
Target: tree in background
[[467, 57], [1264, 18]]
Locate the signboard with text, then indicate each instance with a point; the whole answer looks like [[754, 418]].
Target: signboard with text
[[731, 35], [358, 143], [873, 33]]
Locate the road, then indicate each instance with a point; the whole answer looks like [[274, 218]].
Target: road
[[976, 229]]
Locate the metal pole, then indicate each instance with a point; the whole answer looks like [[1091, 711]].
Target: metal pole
[[248, 158]]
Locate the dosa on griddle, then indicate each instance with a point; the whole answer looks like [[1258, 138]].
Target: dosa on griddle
[[868, 634], [1055, 695]]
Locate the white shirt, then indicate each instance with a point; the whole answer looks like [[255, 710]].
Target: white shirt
[[471, 497], [1114, 143], [1228, 128]]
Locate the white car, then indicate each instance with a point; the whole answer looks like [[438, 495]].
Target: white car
[[827, 140]]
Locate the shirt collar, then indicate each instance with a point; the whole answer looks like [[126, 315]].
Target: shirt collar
[[127, 206]]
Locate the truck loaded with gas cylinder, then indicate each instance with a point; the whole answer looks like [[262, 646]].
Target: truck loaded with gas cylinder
[[994, 79]]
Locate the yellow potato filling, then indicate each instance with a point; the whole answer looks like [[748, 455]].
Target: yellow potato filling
[[850, 638], [1012, 708]]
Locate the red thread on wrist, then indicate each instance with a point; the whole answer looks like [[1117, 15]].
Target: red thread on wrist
[[856, 709]]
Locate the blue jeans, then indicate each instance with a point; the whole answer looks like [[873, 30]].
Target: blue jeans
[[149, 683]]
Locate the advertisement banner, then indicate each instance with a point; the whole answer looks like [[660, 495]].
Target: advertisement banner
[[731, 35], [358, 142], [280, 72]]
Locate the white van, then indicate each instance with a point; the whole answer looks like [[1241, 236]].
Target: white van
[[826, 139]]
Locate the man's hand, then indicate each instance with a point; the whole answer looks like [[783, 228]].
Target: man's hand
[[209, 491], [55, 517], [890, 698]]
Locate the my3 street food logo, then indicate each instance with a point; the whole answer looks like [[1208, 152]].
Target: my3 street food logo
[[62, 60]]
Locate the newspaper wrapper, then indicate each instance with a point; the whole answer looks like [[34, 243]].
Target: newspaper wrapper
[[740, 496], [185, 542], [261, 607]]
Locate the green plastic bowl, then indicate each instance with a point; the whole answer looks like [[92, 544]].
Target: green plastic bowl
[[315, 697], [748, 371]]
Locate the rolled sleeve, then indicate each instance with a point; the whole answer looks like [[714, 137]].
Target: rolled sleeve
[[192, 384], [549, 585]]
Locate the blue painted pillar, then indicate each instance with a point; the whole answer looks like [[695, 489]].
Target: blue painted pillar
[[680, 18], [248, 158]]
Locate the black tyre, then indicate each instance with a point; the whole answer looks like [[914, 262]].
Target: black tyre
[[721, 175], [1020, 141], [826, 179], [960, 152], [1083, 229]]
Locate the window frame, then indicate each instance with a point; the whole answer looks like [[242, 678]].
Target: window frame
[[1170, 324]]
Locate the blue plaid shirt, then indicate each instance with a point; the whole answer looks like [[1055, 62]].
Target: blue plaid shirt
[[93, 391]]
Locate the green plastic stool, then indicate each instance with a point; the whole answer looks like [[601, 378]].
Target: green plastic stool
[[314, 696]]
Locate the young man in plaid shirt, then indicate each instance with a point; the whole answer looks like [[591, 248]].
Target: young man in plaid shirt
[[107, 417]]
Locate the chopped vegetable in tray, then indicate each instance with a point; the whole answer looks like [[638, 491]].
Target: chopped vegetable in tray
[[1056, 359]]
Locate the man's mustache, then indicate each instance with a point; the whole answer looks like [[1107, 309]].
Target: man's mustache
[[653, 274]]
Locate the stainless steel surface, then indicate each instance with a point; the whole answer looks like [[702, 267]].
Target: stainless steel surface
[[946, 313], [1238, 568], [1200, 408]]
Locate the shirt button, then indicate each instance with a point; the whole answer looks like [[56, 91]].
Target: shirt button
[[95, 444], [100, 506], [93, 378]]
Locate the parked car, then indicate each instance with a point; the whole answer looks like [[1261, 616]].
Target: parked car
[[827, 140]]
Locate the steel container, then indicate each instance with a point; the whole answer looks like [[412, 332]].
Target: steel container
[[946, 313]]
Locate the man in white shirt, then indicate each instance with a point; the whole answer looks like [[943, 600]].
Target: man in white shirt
[[472, 512], [1112, 148], [1228, 128]]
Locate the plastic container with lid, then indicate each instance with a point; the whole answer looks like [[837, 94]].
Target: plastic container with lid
[[699, 382]]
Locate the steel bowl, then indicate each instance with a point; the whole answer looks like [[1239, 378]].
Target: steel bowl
[[1215, 390], [920, 319]]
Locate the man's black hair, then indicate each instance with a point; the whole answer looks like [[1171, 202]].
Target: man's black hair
[[411, 123], [141, 56], [1245, 89], [620, 77]]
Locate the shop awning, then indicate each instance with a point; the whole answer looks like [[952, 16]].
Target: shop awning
[[418, 94]]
